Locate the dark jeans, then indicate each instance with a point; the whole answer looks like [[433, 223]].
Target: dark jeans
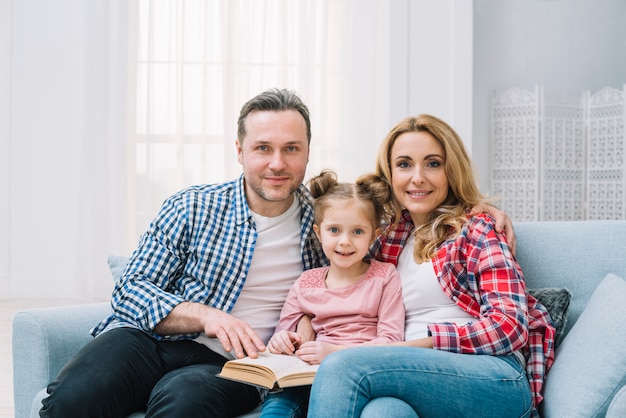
[[125, 370]]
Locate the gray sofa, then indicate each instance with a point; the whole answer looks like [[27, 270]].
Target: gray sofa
[[589, 375]]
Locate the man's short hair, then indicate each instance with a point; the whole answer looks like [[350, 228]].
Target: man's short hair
[[273, 100]]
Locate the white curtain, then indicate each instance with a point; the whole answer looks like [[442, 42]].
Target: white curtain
[[115, 105], [196, 63]]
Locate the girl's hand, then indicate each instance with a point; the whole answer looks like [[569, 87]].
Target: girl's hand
[[284, 342], [313, 352]]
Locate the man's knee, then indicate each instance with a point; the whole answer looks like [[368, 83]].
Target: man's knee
[[196, 391], [77, 400], [97, 380]]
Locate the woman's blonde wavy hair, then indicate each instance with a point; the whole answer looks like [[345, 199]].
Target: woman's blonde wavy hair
[[463, 193]]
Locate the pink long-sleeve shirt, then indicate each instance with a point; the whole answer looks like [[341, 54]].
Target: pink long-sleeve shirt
[[370, 311]]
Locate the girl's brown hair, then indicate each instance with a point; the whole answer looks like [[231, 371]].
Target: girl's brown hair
[[370, 190]]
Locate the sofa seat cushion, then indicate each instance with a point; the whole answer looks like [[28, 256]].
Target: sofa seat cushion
[[34, 413], [590, 364]]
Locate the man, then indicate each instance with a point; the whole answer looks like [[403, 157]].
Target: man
[[181, 306], [205, 284]]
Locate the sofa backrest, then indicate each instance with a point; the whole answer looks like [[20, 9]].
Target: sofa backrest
[[575, 255]]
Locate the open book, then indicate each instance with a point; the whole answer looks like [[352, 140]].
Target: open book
[[270, 371]]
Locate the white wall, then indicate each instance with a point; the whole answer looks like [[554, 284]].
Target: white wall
[[427, 69], [431, 62], [56, 85], [47, 65], [563, 45], [439, 78], [5, 134]]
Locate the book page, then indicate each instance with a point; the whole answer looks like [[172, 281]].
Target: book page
[[280, 364]]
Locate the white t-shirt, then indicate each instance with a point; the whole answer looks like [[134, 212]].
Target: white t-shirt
[[276, 264], [424, 300]]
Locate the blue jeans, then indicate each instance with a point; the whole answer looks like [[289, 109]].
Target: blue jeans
[[386, 381], [125, 370], [291, 402]]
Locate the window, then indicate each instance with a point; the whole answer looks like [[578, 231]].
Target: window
[[195, 63]]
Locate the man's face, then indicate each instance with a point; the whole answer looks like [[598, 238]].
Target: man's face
[[274, 155]]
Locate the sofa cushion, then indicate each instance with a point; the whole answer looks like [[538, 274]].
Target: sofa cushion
[[590, 364], [556, 301], [117, 264]]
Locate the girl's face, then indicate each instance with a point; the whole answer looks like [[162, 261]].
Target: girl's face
[[346, 233], [418, 175]]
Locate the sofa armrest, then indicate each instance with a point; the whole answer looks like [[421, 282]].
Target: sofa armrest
[[43, 341]]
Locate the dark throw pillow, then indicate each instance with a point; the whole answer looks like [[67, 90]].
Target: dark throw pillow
[[556, 301]]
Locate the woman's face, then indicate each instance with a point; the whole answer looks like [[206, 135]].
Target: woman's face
[[418, 175]]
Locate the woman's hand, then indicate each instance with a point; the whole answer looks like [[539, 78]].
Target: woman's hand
[[305, 329], [426, 342], [503, 222], [313, 352]]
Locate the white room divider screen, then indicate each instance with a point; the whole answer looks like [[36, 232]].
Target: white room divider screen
[[559, 156]]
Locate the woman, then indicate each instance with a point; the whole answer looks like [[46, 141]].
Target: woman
[[476, 344]]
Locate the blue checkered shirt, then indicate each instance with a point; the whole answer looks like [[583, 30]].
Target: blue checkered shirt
[[197, 249]]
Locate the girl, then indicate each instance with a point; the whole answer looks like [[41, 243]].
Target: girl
[[352, 301], [476, 343]]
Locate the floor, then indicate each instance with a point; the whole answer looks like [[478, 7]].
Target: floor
[[7, 309]]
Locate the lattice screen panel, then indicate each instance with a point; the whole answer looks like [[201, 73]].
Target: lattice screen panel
[[562, 138], [606, 168], [515, 146], [559, 157]]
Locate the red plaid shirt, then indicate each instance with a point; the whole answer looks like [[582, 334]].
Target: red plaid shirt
[[477, 271]]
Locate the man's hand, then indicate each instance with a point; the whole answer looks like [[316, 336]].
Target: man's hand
[[284, 342], [503, 222], [234, 334], [313, 352]]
